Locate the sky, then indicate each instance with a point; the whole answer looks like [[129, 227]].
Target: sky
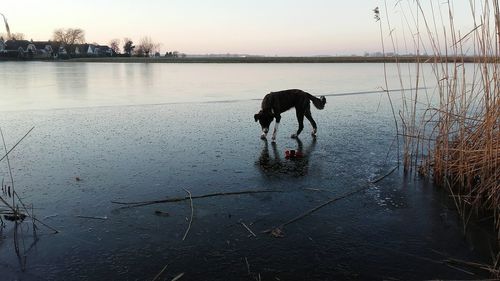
[[256, 27]]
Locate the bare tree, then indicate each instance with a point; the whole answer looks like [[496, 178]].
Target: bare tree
[[115, 45], [145, 47], [139, 51], [69, 37], [128, 46], [157, 47]]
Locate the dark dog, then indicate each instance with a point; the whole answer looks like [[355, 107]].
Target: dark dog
[[276, 103]]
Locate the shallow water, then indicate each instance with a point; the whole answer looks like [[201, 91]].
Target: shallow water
[[129, 138]]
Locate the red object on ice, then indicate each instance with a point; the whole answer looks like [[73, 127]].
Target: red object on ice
[[293, 154]]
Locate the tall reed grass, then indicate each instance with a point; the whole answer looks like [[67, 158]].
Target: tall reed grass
[[450, 131]]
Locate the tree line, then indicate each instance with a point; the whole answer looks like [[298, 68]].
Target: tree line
[[71, 37], [147, 46]]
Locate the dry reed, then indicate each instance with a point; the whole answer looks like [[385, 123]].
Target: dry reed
[[452, 133]]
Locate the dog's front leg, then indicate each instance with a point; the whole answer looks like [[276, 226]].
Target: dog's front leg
[[275, 131], [276, 125], [263, 136]]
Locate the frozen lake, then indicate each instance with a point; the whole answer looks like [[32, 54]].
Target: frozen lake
[[138, 132]]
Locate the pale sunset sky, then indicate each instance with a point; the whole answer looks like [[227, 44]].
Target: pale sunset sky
[[258, 27]]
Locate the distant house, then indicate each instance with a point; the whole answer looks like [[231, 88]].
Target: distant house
[[44, 49], [92, 50], [2, 45], [25, 49], [104, 51], [83, 50], [19, 48], [61, 50]]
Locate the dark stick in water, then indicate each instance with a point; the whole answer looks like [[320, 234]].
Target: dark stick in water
[[177, 199], [280, 227], [314, 210]]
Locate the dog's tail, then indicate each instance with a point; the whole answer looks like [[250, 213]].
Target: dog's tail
[[319, 103]]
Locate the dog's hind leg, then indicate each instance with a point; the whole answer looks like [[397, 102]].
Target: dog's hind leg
[[300, 119], [311, 120]]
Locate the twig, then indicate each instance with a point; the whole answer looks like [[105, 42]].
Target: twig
[[178, 277], [384, 176], [471, 264], [50, 216], [90, 217], [192, 212], [248, 265], [314, 189], [277, 230], [459, 269], [168, 200], [162, 213], [7, 204], [19, 141], [315, 209], [249, 230], [46, 225], [160, 273]]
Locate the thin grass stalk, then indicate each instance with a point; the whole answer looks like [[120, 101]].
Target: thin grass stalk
[[386, 81], [9, 167]]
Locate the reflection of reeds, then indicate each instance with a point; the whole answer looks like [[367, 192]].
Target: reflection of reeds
[[454, 136]]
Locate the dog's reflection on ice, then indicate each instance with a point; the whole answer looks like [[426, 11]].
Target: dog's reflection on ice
[[276, 164]]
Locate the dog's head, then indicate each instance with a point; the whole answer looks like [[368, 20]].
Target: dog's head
[[265, 119]]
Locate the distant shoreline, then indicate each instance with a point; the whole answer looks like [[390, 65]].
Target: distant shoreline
[[252, 59], [347, 59]]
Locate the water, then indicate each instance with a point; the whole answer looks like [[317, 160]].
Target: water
[[67, 85], [138, 132]]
